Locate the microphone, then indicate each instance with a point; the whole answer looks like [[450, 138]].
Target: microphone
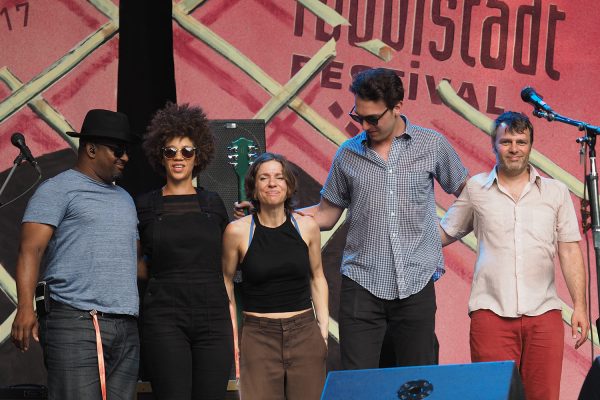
[[18, 140], [529, 95]]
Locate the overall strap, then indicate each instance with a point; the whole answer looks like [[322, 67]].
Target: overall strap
[[251, 233], [295, 224], [157, 209], [199, 198]]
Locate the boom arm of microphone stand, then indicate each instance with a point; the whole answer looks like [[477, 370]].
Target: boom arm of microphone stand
[[582, 126], [538, 112]]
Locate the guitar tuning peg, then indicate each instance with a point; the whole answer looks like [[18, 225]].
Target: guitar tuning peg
[[250, 162], [232, 149], [233, 163], [252, 155], [232, 156], [252, 148]]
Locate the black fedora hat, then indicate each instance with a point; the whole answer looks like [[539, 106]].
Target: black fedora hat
[[104, 124]]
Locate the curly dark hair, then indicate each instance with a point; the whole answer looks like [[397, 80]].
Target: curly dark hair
[[378, 84], [179, 120], [288, 175]]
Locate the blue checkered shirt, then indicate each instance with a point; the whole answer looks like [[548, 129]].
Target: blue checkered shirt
[[393, 247]]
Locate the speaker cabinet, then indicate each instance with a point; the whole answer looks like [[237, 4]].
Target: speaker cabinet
[[490, 381], [220, 176], [591, 385]]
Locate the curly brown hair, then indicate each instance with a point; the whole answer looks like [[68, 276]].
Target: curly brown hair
[[179, 120], [288, 175]]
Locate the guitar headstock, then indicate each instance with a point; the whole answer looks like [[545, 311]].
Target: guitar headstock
[[241, 153]]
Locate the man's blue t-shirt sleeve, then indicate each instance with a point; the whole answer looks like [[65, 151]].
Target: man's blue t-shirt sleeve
[[48, 205]]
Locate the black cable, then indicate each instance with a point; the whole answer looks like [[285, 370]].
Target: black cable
[[24, 193]]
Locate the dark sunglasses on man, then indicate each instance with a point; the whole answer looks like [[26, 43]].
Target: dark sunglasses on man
[[369, 119], [118, 150], [171, 152]]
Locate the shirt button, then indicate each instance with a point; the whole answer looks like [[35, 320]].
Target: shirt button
[[391, 192], [393, 235], [393, 214], [390, 170]]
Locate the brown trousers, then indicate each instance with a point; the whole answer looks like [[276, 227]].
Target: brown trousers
[[282, 358]]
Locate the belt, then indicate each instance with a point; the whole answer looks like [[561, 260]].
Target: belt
[[57, 305]]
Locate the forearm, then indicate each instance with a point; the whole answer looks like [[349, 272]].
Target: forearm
[[27, 275], [320, 298], [446, 239], [229, 288], [571, 262], [310, 210], [325, 214], [142, 269]]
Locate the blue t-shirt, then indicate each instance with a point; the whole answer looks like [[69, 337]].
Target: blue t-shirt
[[91, 260]]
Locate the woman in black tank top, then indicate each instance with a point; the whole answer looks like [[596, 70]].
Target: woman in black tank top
[[186, 331], [283, 347]]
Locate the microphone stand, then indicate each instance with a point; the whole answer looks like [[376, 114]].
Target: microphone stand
[[16, 163], [589, 139]]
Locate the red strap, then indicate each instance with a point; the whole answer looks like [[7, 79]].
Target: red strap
[[100, 354], [236, 353]]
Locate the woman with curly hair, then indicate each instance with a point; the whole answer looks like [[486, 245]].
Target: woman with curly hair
[[187, 338]]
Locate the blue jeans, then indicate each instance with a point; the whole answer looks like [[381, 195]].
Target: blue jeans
[[68, 339]]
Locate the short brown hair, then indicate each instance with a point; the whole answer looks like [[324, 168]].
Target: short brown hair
[[179, 121], [515, 122], [288, 176]]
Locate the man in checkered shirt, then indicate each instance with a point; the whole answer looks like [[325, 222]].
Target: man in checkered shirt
[[384, 177]]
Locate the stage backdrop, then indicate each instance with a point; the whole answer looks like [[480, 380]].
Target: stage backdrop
[[290, 63]]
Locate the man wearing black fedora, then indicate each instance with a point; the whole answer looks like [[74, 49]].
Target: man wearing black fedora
[[81, 228]]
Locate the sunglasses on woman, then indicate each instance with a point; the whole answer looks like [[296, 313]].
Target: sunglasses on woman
[[186, 152], [369, 119]]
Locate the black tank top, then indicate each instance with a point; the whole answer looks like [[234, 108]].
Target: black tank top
[[276, 270]]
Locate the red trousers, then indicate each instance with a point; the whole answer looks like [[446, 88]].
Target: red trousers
[[535, 344]]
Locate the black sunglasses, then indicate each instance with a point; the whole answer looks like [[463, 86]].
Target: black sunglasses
[[186, 151], [117, 150], [370, 119]]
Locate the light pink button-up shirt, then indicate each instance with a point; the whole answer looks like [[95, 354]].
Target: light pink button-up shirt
[[517, 241]]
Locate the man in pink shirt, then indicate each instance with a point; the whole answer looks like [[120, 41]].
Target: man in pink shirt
[[520, 220]]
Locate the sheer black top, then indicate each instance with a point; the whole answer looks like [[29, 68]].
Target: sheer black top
[[182, 235]]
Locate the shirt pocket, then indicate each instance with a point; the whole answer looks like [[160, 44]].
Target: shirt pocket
[[416, 186], [541, 224], [493, 219]]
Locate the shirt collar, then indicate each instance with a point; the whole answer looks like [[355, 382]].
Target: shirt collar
[[534, 177], [409, 131]]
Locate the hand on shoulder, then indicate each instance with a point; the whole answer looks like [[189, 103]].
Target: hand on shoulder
[[306, 223], [239, 209]]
